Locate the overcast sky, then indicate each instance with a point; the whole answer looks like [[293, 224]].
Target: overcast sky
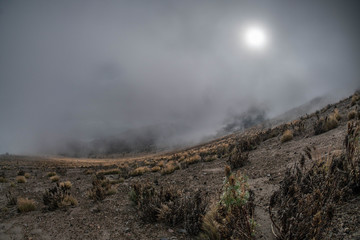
[[84, 69]]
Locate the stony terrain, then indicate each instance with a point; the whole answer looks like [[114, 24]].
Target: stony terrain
[[116, 217]]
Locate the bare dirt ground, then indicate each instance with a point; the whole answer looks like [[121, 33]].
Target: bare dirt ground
[[116, 217]]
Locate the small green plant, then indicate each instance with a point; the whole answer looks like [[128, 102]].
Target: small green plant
[[232, 216], [25, 205]]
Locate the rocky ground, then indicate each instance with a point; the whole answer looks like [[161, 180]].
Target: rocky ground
[[116, 218]]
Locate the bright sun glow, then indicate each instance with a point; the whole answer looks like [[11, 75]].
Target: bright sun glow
[[255, 38]]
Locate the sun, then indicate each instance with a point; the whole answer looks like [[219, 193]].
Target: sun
[[255, 37]]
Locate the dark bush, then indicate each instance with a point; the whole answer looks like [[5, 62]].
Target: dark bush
[[170, 205]]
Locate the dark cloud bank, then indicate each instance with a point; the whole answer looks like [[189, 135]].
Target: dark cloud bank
[[119, 74]]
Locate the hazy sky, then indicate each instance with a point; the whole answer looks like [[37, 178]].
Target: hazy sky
[[84, 69]]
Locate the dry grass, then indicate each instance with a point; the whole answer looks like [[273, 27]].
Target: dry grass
[[287, 136], [25, 205], [210, 158], [331, 122], [68, 200], [89, 171], [113, 171], [55, 178], [139, 171], [325, 124], [170, 167], [20, 179], [155, 169], [194, 159], [66, 185], [337, 114], [352, 114], [27, 175], [355, 98]]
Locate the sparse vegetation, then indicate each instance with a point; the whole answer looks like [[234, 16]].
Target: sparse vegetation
[[155, 169], [232, 216], [27, 175], [20, 179], [25, 205], [306, 200], [55, 178], [101, 187], [58, 197], [352, 114], [325, 124], [287, 136], [139, 171], [51, 174], [3, 179], [355, 98], [237, 158], [67, 185], [170, 205], [170, 167], [11, 199]]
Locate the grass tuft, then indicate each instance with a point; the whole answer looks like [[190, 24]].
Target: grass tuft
[[25, 205]]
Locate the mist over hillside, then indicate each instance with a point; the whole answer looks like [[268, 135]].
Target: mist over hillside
[[78, 71]]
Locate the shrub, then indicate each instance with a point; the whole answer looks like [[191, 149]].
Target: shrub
[[27, 175], [55, 178], [20, 179], [51, 174], [58, 197], [101, 187], [89, 171], [155, 169], [69, 201], [325, 124], [355, 98], [3, 179], [287, 136], [232, 216], [25, 205], [307, 198], [352, 114], [139, 171], [11, 199], [210, 158], [194, 159], [66, 185], [337, 114], [170, 205], [170, 167], [237, 158]]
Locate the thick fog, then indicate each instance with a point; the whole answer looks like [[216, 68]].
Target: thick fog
[[89, 70]]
